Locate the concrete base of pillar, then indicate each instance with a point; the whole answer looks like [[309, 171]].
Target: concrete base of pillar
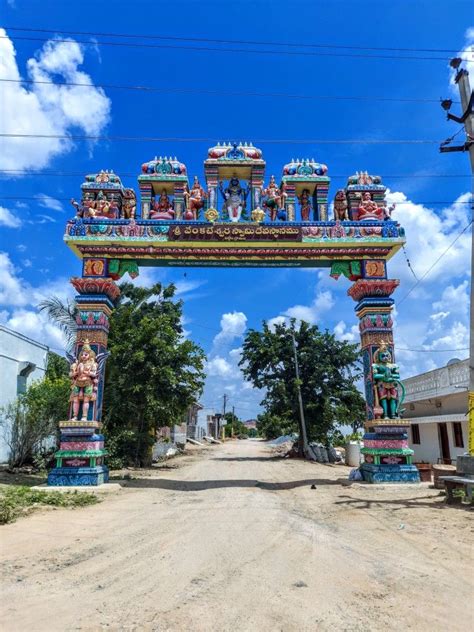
[[390, 473], [78, 476]]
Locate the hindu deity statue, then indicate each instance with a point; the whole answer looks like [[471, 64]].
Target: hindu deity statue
[[340, 207], [129, 205], [87, 206], [274, 198], [305, 203], [195, 200], [234, 198], [368, 209], [84, 378], [162, 207], [104, 208], [386, 380]]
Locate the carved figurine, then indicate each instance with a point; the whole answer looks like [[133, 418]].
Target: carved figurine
[[234, 198], [386, 379], [162, 208], [87, 206], [305, 203], [340, 207], [83, 376], [274, 198], [129, 205], [368, 209], [195, 200]]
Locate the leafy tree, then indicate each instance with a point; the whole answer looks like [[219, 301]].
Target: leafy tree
[[328, 371], [272, 426], [234, 426], [153, 374]]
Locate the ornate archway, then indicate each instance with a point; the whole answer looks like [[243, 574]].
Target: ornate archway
[[236, 222]]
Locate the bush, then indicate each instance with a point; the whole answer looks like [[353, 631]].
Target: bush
[[127, 447], [18, 500]]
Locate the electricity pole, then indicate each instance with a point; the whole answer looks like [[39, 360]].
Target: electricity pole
[[303, 442], [467, 118]]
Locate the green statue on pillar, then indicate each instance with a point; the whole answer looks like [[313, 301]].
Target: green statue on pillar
[[386, 381]]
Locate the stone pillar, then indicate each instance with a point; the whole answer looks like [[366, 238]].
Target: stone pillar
[[386, 453], [80, 459]]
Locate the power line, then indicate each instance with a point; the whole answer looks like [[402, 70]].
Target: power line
[[278, 95], [434, 264], [291, 53], [175, 139], [142, 36]]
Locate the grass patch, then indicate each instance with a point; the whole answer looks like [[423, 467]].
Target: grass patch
[[17, 500]]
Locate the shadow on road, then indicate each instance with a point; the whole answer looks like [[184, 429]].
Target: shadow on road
[[199, 486], [437, 502]]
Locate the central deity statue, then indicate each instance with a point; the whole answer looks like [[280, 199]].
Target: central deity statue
[[368, 209], [235, 198]]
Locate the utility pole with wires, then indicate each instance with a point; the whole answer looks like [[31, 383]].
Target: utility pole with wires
[[303, 441], [467, 119]]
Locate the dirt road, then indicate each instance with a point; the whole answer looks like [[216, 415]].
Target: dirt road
[[236, 540]]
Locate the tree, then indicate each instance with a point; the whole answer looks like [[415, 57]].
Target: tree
[[328, 371], [153, 374], [234, 426]]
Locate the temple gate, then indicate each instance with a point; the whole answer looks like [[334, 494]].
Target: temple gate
[[236, 222]]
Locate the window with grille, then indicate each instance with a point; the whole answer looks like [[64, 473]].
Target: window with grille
[[457, 434], [415, 433]]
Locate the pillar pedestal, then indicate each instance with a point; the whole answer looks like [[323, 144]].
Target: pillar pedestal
[[80, 458]]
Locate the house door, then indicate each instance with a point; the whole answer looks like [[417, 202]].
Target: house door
[[444, 443]]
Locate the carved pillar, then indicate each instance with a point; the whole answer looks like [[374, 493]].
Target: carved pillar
[[386, 453], [321, 198], [145, 195], [179, 204], [290, 201], [80, 459]]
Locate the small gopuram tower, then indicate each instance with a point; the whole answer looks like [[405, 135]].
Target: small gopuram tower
[[305, 181], [233, 167], [163, 184]]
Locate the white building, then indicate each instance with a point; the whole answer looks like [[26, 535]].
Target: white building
[[22, 361], [436, 402]]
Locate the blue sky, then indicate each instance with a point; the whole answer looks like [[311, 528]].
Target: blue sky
[[33, 260]]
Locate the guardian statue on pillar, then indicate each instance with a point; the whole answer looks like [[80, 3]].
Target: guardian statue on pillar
[[274, 198], [195, 200], [84, 377], [386, 382]]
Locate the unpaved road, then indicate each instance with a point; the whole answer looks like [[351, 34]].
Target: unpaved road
[[236, 541]]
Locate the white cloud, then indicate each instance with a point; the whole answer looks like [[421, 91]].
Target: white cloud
[[220, 367], [277, 320], [8, 219], [22, 247], [20, 301], [233, 325], [429, 234], [47, 109], [47, 201], [342, 333], [454, 300], [312, 313]]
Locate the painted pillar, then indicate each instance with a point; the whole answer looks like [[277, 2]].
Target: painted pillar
[[387, 457], [80, 459], [290, 201], [321, 199], [256, 183], [146, 192], [179, 203]]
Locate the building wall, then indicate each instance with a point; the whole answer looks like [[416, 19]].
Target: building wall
[[15, 349], [429, 450], [202, 418]]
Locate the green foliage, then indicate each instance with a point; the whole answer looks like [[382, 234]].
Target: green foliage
[[271, 426], [153, 374], [56, 366], [33, 417], [18, 500], [328, 371], [234, 426]]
